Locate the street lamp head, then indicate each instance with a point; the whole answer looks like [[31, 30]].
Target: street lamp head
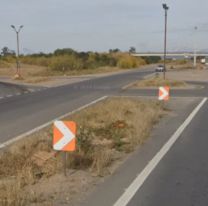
[[13, 27], [20, 28], [165, 7]]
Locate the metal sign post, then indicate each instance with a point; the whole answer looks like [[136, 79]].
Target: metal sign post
[[65, 162], [64, 139]]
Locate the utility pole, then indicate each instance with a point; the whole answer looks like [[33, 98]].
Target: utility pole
[[17, 75], [165, 7]]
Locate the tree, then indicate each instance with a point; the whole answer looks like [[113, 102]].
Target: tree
[[114, 50], [65, 51], [152, 59], [7, 52], [132, 50]]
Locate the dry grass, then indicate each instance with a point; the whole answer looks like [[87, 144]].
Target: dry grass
[[36, 74], [159, 81], [106, 131], [26, 70], [18, 168]]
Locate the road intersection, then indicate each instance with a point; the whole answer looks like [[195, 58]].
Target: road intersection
[[178, 179]]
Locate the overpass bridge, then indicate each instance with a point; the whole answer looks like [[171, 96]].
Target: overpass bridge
[[171, 54]]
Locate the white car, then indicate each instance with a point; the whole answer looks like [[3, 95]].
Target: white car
[[160, 68]]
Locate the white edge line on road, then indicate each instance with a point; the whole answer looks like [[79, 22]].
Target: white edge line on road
[[9, 142], [129, 85], [137, 183]]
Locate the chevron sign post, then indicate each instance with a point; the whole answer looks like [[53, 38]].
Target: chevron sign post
[[64, 138], [164, 93]]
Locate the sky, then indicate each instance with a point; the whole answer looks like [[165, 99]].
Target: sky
[[100, 25]]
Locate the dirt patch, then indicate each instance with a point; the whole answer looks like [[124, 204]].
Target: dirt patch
[[182, 66], [31, 173], [189, 75], [158, 81], [34, 80]]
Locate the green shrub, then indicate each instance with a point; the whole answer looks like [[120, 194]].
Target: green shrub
[[152, 59]]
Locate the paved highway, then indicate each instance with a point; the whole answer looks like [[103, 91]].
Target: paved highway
[[181, 177], [21, 113], [8, 90]]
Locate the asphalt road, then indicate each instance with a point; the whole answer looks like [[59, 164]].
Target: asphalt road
[[21, 113], [181, 177], [8, 90]]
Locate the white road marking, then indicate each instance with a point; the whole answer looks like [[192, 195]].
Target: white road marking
[[1, 97], [129, 85], [138, 182], [10, 95], [9, 142], [18, 94]]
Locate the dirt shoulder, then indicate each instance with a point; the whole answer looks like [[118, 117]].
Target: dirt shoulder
[[36, 75], [189, 75], [186, 72]]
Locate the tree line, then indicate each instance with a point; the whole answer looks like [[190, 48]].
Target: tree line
[[69, 59]]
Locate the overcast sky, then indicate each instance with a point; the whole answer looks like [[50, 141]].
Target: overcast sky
[[99, 25]]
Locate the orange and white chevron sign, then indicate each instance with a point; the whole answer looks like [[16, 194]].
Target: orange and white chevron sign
[[164, 93], [64, 136]]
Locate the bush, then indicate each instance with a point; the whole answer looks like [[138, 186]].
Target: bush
[[152, 59], [96, 60], [68, 60], [66, 63], [36, 60], [127, 61]]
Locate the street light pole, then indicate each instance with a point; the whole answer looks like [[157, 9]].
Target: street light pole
[[195, 29], [165, 7], [17, 75]]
